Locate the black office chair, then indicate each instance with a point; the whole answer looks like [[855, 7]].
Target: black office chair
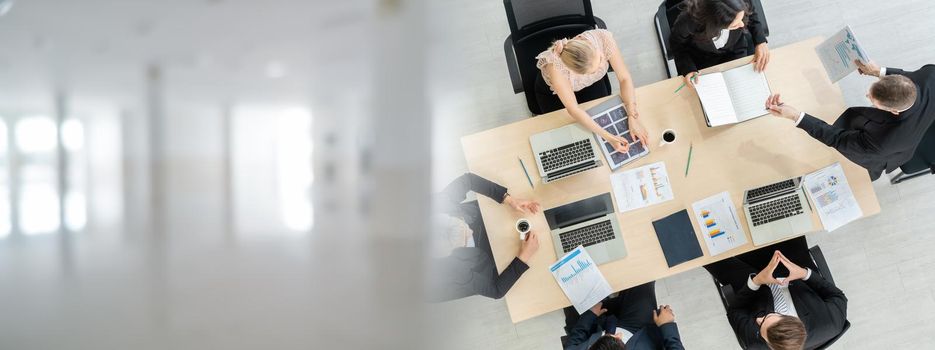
[[922, 162], [665, 17], [727, 294], [534, 26]]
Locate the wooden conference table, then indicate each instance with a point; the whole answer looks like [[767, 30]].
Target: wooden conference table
[[729, 158]]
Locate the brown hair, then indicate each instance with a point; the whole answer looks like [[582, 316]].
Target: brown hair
[[576, 54], [786, 334], [894, 91]]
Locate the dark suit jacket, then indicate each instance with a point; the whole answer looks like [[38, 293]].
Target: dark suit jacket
[[876, 139], [471, 271], [586, 332], [821, 306], [688, 46]]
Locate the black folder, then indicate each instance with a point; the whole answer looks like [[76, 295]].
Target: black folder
[[677, 238]]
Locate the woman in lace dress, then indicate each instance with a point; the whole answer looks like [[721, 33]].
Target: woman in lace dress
[[571, 65]]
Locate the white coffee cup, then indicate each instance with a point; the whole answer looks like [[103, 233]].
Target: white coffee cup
[[519, 228], [668, 136]]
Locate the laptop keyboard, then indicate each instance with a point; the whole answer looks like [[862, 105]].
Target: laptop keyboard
[[570, 154], [586, 236], [773, 188], [777, 209]]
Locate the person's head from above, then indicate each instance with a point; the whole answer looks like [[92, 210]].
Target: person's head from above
[[893, 93], [716, 15], [578, 55], [782, 332], [452, 233], [608, 342]]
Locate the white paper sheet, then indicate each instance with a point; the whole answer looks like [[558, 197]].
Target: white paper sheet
[[580, 279], [829, 191], [720, 226], [641, 187], [838, 53], [715, 99], [748, 92]]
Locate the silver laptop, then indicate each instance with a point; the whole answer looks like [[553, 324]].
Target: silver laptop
[[777, 211], [563, 152], [591, 223]]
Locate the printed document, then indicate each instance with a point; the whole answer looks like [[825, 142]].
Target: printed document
[[641, 187], [838, 53], [580, 279], [734, 96], [720, 226], [829, 191]]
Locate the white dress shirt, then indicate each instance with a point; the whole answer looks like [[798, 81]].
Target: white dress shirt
[[721, 39]]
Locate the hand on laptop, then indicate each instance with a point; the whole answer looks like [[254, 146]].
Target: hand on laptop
[[766, 275], [528, 247], [777, 108], [522, 205], [663, 315]]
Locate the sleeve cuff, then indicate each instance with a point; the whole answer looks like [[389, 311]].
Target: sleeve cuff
[[808, 274], [751, 285], [882, 72], [801, 116]]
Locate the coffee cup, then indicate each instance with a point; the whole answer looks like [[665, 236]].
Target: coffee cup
[[523, 226], [668, 137]]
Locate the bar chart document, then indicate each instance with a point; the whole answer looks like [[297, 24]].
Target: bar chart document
[[838, 53], [641, 187], [720, 226], [733, 96], [829, 191], [580, 279]]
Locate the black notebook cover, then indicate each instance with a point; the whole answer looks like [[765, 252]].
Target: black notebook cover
[[677, 238]]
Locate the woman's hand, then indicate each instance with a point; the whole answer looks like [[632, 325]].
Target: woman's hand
[[522, 205], [638, 131], [620, 144], [690, 79], [761, 57]]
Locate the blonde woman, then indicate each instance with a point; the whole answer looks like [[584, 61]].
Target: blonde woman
[[573, 66]]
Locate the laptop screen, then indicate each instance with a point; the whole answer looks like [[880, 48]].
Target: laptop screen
[[580, 211]]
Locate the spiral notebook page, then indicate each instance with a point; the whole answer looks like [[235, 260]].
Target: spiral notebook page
[[748, 91], [716, 99]]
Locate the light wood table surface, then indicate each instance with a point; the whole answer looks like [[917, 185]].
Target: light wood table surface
[[729, 158]]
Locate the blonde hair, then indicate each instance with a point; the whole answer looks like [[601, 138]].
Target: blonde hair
[[576, 54]]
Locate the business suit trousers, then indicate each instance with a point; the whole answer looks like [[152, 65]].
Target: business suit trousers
[[736, 270], [632, 309]]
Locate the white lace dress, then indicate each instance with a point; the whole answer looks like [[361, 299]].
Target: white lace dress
[[600, 39]]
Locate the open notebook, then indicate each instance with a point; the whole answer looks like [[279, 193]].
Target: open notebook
[[733, 96]]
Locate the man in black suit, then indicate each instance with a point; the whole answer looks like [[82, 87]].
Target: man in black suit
[[879, 138], [799, 310], [630, 318], [463, 264]]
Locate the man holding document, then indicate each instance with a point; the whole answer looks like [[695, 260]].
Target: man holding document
[[879, 138]]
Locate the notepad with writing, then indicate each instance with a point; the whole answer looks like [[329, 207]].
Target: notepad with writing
[[733, 96], [677, 238]]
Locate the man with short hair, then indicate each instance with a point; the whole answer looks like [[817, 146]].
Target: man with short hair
[[879, 138], [800, 310]]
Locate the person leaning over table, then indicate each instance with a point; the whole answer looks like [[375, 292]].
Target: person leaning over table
[[801, 310], [879, 138], [571, 65], [628, 321], [710, 32], [463, 263]]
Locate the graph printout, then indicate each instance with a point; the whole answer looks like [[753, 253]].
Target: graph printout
[[838, 53], [720, 226], [580, 279], [641, 187], [829, 191]]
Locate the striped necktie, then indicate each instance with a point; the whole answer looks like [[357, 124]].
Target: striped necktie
[[779, 301]]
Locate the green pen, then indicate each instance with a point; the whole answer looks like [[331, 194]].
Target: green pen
[[688, 164], [683, 84]]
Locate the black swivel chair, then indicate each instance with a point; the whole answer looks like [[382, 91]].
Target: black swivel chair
[[534, 25], [665, 17], [922, 162], [727, 294]]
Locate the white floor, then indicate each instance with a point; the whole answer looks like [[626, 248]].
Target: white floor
[[883, 263]]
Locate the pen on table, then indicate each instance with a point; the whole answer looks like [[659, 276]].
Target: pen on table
[[688, 164], [525, 172]]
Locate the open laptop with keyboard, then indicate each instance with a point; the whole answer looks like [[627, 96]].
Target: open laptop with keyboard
[[612, 116], [564, 152], [591, 223], [777, 211]]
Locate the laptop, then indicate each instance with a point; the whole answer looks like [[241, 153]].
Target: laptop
[[612, 116], [777, 211], [564, 152], [591, 223]]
